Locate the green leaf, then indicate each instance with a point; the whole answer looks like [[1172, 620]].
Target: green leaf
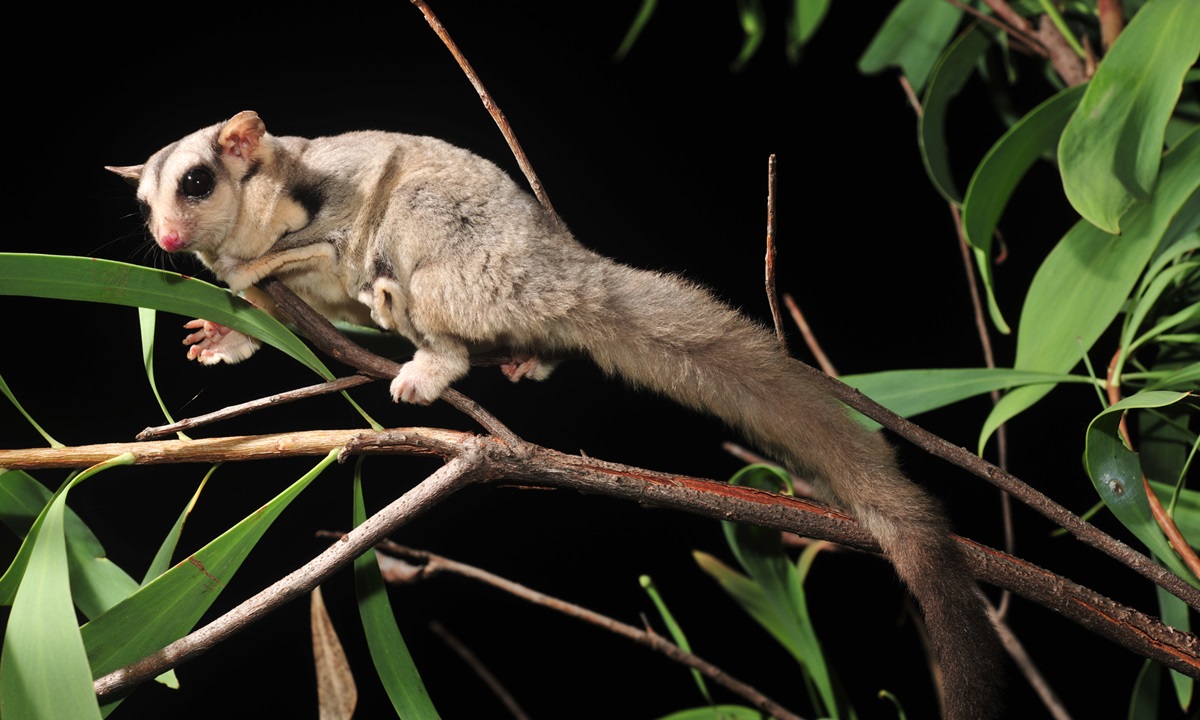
[[393, 663], [162, 558], [1001, 170], [911, 38], [953, 69], [1085, 280], [1117, 476], [806, 17], [674, 629], [645, 12], [13, 399], [78, 278], [911, 392], [779, 604], [754, 27], [96, 582], [43, 667], [1186, 512], [140, 625], [146, 321], [1111, 148]]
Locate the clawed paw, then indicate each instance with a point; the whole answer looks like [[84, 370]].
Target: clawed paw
[[527, 365], [213, 343]]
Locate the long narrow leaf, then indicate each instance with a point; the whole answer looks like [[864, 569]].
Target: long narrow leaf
[[106, 281], [1111, 148], [1001, 170], [43, 667], [1117, 476], [170, 605], [1085, 280], [911, 38], [953, 69], [393, 662]]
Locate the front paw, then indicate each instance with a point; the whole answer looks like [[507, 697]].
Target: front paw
[[423, 379], [213, 343]]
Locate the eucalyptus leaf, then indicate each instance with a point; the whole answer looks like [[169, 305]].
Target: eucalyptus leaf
[[953, 69], [44, 671], [1117, 476], [1001, 170], [393, 662], [169, 606], [106, 281], [911, 38], [716, 712], [1084, 282], [1111, 149]]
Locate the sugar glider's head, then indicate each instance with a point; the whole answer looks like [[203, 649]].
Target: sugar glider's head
[[190, 192]]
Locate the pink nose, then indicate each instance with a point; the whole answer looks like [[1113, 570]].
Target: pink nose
[[170, 242]]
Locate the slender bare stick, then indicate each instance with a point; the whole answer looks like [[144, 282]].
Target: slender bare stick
[[490, 104], [225, 413], [477, 667], [431, 564], [1029, 670], [772, 297], [810, 339]]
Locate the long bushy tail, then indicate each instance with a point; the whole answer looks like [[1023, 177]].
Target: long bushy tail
[[667, 335]]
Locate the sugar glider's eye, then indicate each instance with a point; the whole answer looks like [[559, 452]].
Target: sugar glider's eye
[[144, 209], [197, 183]]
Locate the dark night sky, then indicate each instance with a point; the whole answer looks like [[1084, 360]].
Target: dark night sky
[[658, 161]]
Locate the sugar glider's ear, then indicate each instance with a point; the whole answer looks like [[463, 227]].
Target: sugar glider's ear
[[242, 137], [131, 173]]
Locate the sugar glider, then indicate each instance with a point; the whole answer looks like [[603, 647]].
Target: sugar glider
[[441, 246]]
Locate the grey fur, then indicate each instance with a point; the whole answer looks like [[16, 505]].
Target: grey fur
[[440, 245]]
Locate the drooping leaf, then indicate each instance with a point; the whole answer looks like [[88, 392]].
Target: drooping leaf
[[1084, 281], [1001, 170], [13, 399], [1112, 146], [1117, 476], [138, 626], [393, 662], [911, 38], [911, 392], [337, 693], [806, 17], [106, 281], [674, 629], [44, 671], [953, 69]]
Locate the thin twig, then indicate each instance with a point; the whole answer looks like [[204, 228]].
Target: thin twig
[[989, 359], [477, 667], [432, 564], [1020, 35], [490, 104], [1029, 669], [225, 413], [772, 297], [810, 339]]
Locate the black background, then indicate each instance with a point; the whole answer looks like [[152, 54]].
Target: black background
[[659, 161]]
